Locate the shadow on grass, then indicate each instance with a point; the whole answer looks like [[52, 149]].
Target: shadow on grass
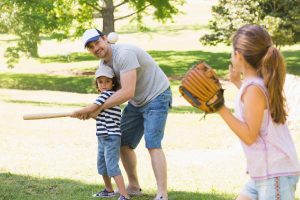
[[292, 59], [47, 82], [13, 186], [177, 63], [75, 57], [173, 63]]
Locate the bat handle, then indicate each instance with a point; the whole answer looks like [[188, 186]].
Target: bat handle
[[45, 115]]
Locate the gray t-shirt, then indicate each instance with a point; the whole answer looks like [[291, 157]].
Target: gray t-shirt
[[151, 80]]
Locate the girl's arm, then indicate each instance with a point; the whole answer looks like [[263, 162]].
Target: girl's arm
[[254, 105]]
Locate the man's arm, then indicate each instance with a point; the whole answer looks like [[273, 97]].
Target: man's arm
[[128, 83], [87, 110]]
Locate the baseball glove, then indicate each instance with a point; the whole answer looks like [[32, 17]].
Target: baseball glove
[[201, 88]]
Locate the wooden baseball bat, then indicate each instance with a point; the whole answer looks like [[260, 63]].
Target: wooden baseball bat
[[46, 115]]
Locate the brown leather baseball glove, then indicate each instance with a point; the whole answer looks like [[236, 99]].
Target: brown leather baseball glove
[[201, 88]]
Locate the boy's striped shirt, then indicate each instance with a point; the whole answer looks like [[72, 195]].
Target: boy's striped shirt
[[108, 121]]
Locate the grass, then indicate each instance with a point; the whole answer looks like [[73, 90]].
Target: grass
[[56, 158], [46, 82], [173, 63], [38, 188], [81, 85]]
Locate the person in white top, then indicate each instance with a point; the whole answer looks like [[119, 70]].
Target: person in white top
[[260, 116]]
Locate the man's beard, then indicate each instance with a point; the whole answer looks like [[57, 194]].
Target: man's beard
[[106, 52]]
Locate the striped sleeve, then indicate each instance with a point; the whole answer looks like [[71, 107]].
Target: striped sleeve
[[102, 97]]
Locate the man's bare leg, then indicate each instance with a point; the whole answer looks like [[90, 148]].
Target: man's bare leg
[[159, 165], [129, 161]]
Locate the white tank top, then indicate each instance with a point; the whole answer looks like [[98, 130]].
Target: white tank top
[[273, 153], [264, 123]]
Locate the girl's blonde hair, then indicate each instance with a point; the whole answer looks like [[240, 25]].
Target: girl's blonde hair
[[255, 44]]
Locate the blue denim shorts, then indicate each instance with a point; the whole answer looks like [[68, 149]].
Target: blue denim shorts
[[109, 155], [283, 187], [149, 120]]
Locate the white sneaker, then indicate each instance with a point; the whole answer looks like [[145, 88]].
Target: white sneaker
[[130, 192]]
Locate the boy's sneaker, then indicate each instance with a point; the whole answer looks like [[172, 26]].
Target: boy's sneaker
[[123, 198], [159, 198], [104, 193], [130, 192]]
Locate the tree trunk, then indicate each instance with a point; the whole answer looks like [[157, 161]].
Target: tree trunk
[[32, 44], [108, 17], [35, 53]]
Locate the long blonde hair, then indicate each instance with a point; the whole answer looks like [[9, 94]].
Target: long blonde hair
[[255, 44]]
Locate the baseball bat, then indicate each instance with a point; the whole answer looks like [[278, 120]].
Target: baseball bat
[[46, 115]]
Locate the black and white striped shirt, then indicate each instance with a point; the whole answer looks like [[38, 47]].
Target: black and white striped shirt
[[108, 121]]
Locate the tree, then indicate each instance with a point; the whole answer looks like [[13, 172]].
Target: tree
[[56, 18], [30, 19], [281, 18], [163, 10]]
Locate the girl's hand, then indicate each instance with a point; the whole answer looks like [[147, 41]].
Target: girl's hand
[[235, 76]]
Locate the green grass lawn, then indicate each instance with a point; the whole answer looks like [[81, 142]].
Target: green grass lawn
[[56, 158], [173, 63]]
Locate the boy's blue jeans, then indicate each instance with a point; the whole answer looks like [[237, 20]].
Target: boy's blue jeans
[[109, 155]]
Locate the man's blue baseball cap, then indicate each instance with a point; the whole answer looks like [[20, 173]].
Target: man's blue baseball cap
[[91, 35]]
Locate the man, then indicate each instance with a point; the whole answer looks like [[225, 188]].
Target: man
[[147, 90]]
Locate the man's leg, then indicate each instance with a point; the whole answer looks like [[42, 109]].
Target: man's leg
[[129, 161], [155, 115], [132, 133], [159, 166]]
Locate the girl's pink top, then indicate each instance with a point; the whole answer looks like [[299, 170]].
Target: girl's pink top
[[273, 153]]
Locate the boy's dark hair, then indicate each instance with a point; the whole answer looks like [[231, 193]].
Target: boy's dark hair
[[114, 81]]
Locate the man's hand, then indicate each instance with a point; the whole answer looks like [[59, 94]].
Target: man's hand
[[96, 113]]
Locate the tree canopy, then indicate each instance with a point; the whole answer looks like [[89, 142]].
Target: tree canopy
[[56, 19], [30, 19], [281, 18], [161, 10]]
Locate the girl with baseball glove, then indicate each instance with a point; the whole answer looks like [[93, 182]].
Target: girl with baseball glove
[[260, 116]]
